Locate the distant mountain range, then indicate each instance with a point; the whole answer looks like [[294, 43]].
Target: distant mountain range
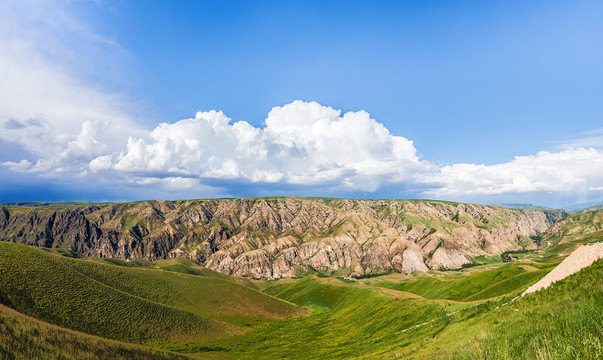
[[573, 209], [584, 207], [524, 206]]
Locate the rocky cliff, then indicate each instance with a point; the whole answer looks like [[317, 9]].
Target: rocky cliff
[[279, 237]]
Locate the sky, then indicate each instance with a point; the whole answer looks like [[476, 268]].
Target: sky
[[117, 100]]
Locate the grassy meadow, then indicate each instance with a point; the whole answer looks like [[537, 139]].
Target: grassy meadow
[[137, 304], [364, 322], [23, 337]]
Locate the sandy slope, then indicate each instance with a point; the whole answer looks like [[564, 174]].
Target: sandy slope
[[582, 257]]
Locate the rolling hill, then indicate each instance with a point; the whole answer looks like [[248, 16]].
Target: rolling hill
[[143, 305]]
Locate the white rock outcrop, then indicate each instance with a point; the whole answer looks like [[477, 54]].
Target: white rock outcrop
[[582, 257]]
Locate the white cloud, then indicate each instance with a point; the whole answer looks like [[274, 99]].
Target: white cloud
[[570, 170], [302, 143], [305, 143], [101, 163], [22, 165], [45, 107], [173, 183]]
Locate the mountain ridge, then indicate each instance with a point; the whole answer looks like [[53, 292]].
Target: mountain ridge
[[283, 236]]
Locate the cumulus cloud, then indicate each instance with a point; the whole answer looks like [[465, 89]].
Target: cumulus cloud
[[305, 143], [101, 163], [575, 169], [302, 143]]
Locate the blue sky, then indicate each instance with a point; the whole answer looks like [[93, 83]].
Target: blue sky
[[487, 102]]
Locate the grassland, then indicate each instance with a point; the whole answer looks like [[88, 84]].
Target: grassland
[[347, 321], [196, 290], [564, 321], [183, 310], [477, 285], [144, 305], [44, 286], [575, 230], [23, 337], [360, 321]]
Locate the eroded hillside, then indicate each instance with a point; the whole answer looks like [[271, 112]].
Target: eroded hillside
[[281, 237]]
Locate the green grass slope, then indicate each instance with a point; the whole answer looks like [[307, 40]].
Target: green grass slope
[[571, 232], [133, 304], [42, 285], [364, 322], [200, 293], [473, 286], [564, 321], [22, 337], [347, 321]]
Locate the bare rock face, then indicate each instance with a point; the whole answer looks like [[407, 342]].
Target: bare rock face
[[283, 237], [412, 260]]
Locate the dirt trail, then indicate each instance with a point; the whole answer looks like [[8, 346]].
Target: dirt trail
[[582, 257]]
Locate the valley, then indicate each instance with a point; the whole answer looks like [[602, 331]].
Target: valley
[[59, 302]]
